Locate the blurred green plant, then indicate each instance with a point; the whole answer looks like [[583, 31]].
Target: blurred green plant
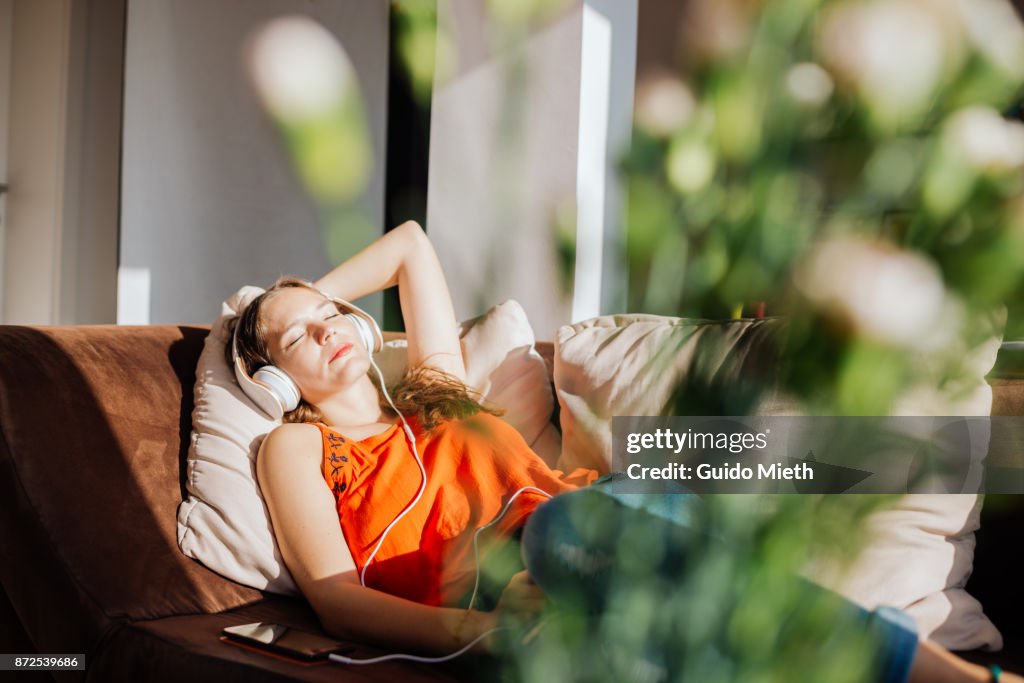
[[308, 85], [424, 48], [846, 163], [866, 187]]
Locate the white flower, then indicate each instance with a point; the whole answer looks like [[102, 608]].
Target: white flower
[[809, 84], [663, 105], [886, 294], [996, 32], [299, 68], [892, 52], [985, 140]]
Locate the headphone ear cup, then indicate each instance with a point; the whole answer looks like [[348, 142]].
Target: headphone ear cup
[[266, 395], [364, 330], [280, 385]]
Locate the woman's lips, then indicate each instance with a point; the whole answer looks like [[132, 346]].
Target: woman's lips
[[342, 350]]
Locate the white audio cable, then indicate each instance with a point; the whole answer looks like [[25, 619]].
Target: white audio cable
[[419, 463], [476, 535], [416, 658]]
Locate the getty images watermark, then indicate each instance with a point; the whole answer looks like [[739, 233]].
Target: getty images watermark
[[820, 454]]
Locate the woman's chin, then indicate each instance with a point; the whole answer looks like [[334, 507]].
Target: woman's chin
[[348, 370]]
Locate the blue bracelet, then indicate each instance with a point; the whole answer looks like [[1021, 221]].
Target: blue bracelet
[[996, 670]]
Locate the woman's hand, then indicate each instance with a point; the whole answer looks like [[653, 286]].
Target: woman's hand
[[474, 624], [520, 605], [522, 601]]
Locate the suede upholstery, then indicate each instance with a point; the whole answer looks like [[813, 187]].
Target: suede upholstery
[[94, 428]]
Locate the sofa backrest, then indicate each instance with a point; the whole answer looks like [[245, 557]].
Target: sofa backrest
[[94, 428]]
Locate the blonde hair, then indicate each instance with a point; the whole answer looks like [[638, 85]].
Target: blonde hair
[[428, 394]]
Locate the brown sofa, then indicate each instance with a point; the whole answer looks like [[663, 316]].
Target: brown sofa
[[94, 427]]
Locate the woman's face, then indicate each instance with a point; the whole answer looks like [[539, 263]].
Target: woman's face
[[317, 346]]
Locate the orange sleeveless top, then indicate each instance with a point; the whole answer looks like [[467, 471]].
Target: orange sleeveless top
[[473, 467]]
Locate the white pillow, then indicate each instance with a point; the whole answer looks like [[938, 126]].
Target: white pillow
[[921, 551], [629, 365], [224, 522]]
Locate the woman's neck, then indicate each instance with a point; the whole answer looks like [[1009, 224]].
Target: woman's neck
[[358, 406]]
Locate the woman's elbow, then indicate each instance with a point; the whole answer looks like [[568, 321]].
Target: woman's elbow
[[335, 626], [329, 606], [413, 232]]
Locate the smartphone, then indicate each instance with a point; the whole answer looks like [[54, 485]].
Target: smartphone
[[285, 640]]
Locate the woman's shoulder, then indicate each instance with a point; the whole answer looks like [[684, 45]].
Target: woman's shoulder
[[294, 430], [294, 438]]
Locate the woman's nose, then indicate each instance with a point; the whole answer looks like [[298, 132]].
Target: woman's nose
[[324, 332]]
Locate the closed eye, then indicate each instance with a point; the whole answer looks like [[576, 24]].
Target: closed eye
[[299, 338]]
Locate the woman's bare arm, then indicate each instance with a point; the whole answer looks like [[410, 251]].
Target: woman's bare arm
[[405, 257], [305, 522], [374, 268]]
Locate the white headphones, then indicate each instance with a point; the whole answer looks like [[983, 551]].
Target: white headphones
[[272, 389]]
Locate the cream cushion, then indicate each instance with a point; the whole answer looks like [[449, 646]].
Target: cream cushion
[[921, 551], [629, 365], [224, 522]]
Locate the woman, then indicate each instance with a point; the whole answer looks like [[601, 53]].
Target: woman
[[341, 455]]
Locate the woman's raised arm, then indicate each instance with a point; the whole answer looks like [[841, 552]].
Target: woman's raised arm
[[306, 525], [405, 257]]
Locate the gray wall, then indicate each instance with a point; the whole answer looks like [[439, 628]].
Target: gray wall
[[503, 153], [209, 198], [88, 283]]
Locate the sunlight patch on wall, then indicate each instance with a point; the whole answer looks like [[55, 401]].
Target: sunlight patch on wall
[[133, 296]]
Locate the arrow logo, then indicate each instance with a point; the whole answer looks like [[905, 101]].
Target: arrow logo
[[828, 478]]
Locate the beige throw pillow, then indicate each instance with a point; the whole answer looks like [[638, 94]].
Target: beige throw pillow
[[921, 551], [629, 365], [224, 522]]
